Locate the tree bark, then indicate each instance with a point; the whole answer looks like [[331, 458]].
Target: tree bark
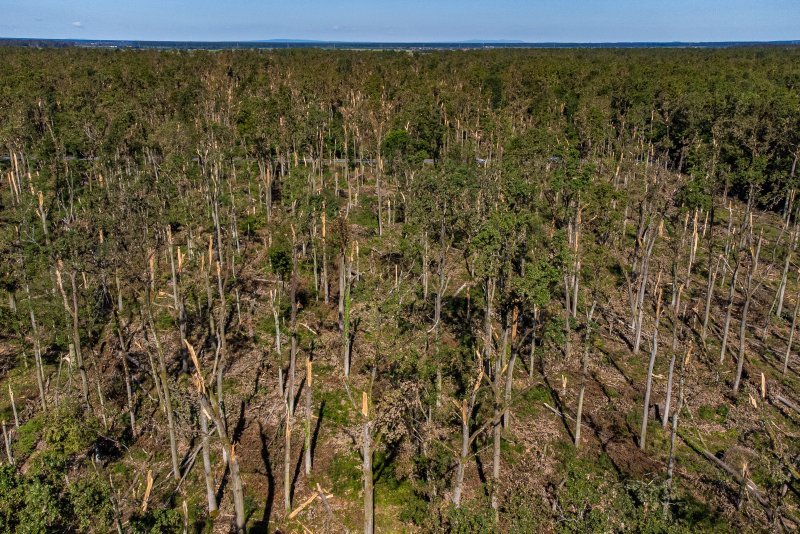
[[791, 334], [211, 496], [369, 506], [649, 385], [173, 444], [674, 434], [749, 291], [584, 373]]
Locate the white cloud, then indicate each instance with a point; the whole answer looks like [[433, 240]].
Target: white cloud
[[78, 24]]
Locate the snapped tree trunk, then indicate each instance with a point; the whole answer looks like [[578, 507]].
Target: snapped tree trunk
[[211, 406], [466, 438]]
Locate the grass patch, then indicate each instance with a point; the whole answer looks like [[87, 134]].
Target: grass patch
[[336, 408], [344, 474]]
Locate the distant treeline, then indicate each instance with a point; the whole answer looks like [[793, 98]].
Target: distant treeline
[[734, 111], [371, 45]]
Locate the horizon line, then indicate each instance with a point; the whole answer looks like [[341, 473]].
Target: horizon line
[[311, 43]]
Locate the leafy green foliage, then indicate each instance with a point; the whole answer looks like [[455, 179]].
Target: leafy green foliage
[[156, 521]]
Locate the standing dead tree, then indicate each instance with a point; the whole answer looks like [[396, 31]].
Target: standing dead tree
[[649, 383], [212, 410]]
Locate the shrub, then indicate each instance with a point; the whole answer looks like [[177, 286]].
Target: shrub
[[90, 498], [156, 521]]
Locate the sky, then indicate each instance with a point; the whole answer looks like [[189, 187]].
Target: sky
[[404, 20]]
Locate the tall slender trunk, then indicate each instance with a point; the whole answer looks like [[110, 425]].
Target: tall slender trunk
[[567, 319], [728, 313], [309, 415], [72, 311], [287, 460], [162, 374], [512, 358], [177, 301], [749, 291], [712, 278], [649, 385], [211, 496], [668, 400], [211, 406], [496, 439], [123, 354], [287, 468], [674, 434], [344, 310], [584, 373], [791, 333], [650, 236], [37, 351], [369, 506], [784, 275], [222, 352], [462, 458]]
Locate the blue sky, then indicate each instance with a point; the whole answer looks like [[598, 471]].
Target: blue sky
[[408, 20]]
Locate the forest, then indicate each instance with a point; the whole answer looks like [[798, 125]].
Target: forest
[[399, 291]]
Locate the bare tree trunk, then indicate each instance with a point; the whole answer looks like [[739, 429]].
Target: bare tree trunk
[[173, 444], [443, 281], [462, 459], [37, 352], [567, 319], [211, 496], [649, 385], [509, 348], [674, 434], [76, 336], [425, 266], [466, 438], [531, 357], [496, 437], [784, 276], [212, 408], [668, 401], [649, 236], [584, 373], [13, 406], [287, 468], [344, 311], [791, 334], [177, 302], [380, 202], [749, 291], [7, 442], [726, 327], [287, 460], [222, 351], [369, 507], [712, 278], [325, 282], [293, 326], [309, 415]]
